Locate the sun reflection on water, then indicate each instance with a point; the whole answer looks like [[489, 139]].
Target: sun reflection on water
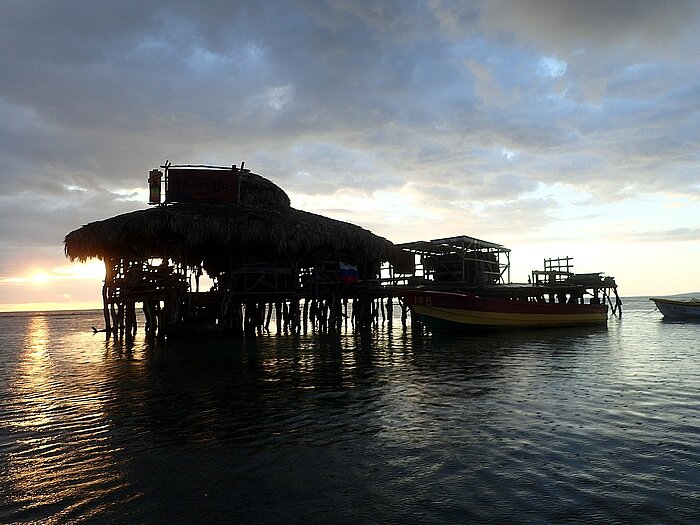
[[62, 454], [35, 377]]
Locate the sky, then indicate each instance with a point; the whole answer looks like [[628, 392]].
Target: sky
[[554, 127]]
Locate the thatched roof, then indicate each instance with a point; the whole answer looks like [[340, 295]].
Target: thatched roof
[[262, 228]]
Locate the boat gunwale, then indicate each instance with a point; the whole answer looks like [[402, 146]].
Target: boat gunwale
[[472, 302], [680, 302]]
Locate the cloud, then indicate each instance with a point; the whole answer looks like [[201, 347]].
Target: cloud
[[667, 236], [468, 106], [567, 27]]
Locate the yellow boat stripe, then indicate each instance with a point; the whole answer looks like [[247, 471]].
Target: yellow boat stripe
[[477, 317]]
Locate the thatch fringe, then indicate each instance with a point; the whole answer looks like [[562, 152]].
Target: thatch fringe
[[245, 230], [261, 228]]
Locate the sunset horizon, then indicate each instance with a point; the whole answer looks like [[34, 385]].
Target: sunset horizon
[[554, 129]]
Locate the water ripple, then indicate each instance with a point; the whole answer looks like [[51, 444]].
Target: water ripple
[[553, 426]]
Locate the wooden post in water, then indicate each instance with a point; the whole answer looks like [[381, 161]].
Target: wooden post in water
[[278, 317], [326, 315], [249, 319], [404, 312], [105, 310], [285, 315], [269, 317], [120, 319], [134, 319], [305, 315], [334, 317], [162, 313], [258, 316], [236, 317], [293, 315], [362, 307], [128, 323], [151, 319], [618, 303]]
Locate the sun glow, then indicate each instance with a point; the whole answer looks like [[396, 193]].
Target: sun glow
[[88, 270], [43, 287], [39, 277], [78, 271]]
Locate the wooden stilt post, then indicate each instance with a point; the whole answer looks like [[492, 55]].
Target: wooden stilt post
[[120, 319], [618, 302], [285, 314], [160, 321], [333, 315], [338, 307], [390, 310], [316, 314], [249, 318], [305, 315], [105, 308], [404, 313], [325, 313], [236, 318], [269, 317], [128, 322], [113, 315], [278, 317], [149, 314]]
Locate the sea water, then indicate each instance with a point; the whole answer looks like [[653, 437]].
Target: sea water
[[594, 425]]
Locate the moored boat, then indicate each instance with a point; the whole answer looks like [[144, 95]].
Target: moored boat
[[678, 309], [462, 310]]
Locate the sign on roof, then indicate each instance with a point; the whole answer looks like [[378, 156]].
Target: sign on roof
[[215, 186]]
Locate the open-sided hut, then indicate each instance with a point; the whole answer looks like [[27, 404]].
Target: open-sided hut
[[256, 249]]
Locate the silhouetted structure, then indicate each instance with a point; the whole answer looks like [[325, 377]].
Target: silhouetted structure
[[258, 251], [262, 257]]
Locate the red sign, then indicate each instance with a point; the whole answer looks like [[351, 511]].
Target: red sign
[[202, 186]]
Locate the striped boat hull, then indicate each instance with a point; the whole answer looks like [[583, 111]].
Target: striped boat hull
[[447, 310]]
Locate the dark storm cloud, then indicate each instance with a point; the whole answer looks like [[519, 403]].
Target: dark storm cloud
[[472, 101], [600, 26], [193, 79]]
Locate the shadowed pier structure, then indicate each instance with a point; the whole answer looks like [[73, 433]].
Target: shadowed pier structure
[[260, 256], [263, 260]]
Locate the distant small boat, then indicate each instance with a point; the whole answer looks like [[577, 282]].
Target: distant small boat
[[678, 309], [460, 310]]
